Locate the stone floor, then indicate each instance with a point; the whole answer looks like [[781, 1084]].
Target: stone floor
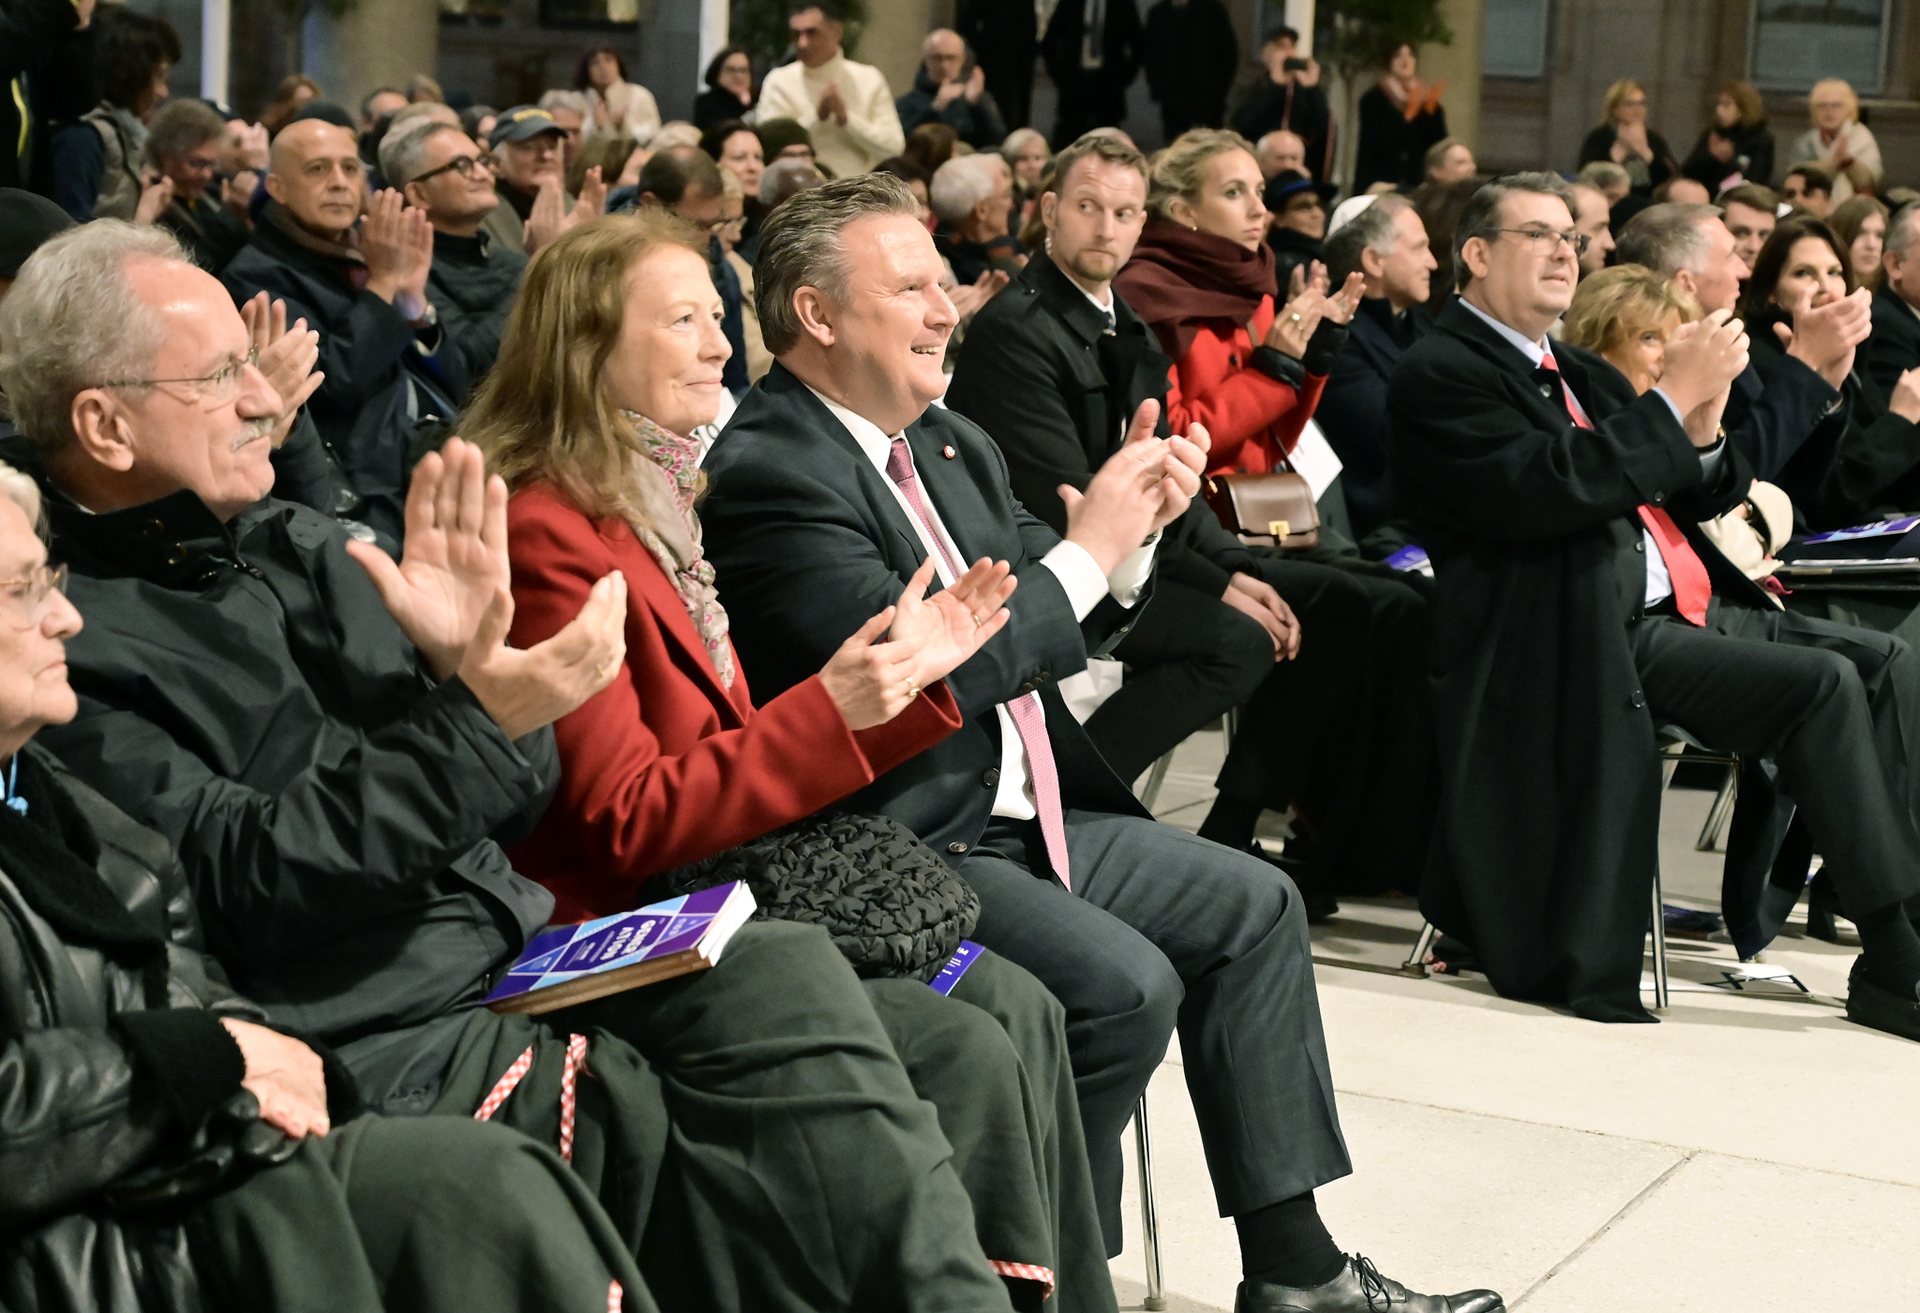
[[1754, 1152]]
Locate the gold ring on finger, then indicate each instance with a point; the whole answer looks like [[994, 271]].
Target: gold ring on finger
[[913, 690], [1295, 316]]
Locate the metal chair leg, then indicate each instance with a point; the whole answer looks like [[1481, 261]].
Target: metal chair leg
[[1659, 948], [1149, 1219], [1720, 813], [1417, 959], [1156, 776]]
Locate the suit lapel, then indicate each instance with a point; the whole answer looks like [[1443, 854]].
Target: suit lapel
[[655, 591]]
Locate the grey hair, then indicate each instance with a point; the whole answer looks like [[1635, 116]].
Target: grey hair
[[1602, 174], [962, 183], [1373, 229], [785, 177], [22, 491], [573, 100], [180, 125], [1903, 230], [432, 111], [800, 247], [1017, 141], [675, 132], [403, 153], [73, 320], [1482, 213], [1667, 238]]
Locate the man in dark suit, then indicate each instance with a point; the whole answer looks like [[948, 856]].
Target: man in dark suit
[[1092, 52], [1895, 348], [1577, 605], [1055, 387], [1004, 38], [833, 482], [1387, 245]]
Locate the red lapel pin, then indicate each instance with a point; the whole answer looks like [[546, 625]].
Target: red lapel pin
[[947, 451]]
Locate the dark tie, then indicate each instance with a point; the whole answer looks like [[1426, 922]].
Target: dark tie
[[1691, 587], [1028, 719]]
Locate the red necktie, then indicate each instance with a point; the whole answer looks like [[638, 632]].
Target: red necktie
[[1688, 574], [1029, 721]]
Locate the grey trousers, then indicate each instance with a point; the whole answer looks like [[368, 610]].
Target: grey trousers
[[1162, 929]]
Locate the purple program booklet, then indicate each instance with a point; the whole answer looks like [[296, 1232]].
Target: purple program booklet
[[571, 964]]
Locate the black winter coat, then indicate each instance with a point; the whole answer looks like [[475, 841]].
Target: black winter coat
[[1353, 408], [472, 284], [1894, 347]]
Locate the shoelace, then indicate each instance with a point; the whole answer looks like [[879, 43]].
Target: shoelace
[[1372, 1283]]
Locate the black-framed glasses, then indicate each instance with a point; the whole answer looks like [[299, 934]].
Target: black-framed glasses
[[1544, 241], [464, 165], [223, 384], [23, 602]]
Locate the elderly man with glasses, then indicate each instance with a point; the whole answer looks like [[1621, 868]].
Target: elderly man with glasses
[[473, 279]]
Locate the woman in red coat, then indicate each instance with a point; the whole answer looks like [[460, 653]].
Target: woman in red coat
[[611, 360], [1202, 277]]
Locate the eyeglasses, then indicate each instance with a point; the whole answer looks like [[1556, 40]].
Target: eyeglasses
[[464, 165], [217, 388], [1545, 241], [23, 602]]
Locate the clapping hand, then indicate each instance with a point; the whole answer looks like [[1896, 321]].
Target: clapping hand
[[1341, 305], [155, 197], [397, 242], [551, 217], [1703, 359], [285, 355], [1825, 337], [833, 105]]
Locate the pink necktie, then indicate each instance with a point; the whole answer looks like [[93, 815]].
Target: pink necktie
[[1028, 719]]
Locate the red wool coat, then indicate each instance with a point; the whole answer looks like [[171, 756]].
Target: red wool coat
[[1252, 419], [667, 765]]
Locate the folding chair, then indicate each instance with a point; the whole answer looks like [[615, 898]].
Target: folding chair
[[1149, 1219]]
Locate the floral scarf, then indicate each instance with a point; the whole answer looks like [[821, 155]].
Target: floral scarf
[[671, 531]]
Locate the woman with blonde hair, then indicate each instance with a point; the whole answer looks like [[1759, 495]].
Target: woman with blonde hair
[[1624, 138], [1861, 224], [1838, 140], [1737, 146], [611, 360], [1627, 315]]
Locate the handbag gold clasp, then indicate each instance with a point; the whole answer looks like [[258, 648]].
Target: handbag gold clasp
[[1279, 528]]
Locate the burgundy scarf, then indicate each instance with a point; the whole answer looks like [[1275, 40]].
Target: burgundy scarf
[[1181, 278]]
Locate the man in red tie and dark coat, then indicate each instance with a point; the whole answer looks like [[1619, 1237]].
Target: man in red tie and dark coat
[[1577, 606]]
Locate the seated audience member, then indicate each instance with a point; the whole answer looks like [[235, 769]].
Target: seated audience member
[[931, 145], [291, 96], [1862, 459], [729, 93], [1628, 315], [1773, 413], [845, 106], [1092, 53], [946, 91], [1545, 483], [615, 106], [385, 355], [569, 110], [967, 298], [612, 156], [1593, 220], [97, 159], [380, 103], [1681, 191], [183, 144], [972, 198], [1750, 212], [1025, 151], [1288, 96], [131, 1062], [1895, 347], [423, 87], [1736, 148], [477, 121], [528, 156], [1401, 119], [736, 148], [1298, 209], [1227, 622], [1809, 187], [1439, 209], [1387, 246], [1607, 178], [1861, 225], [1623, 138], [729, 234], [329, 740], [671, 765], [441, 171], [815, 519], [782, 179], [1278, 152], [1191, 58], [685, 181], [1448, 160], [1838, 141]]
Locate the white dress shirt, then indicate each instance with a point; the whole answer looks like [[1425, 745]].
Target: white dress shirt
[[1079, 575], [1659, 581]]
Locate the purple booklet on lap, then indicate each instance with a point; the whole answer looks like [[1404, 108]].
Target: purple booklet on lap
[[571, 964]]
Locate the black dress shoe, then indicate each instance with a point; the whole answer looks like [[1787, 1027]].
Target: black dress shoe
[[1359, 1289], [1880, 1008]]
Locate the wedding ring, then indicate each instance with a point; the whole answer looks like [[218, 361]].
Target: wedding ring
[[1294, 317], [602, 670], [978, 620], [913, 690]]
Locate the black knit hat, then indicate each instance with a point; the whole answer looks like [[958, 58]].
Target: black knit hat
[[26, 222]]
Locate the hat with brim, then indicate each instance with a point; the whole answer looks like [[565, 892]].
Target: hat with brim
[[26, 222], [1289, 183], [523, 123]]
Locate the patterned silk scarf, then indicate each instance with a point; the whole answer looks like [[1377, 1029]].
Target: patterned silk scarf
[[666, 484]]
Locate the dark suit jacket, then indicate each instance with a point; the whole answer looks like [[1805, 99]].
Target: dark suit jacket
[[809, 542], [1055, 391], [1550, 798], [1353, 408], [1894, 347], [1060, 46], [1774, 412], [667, 764]]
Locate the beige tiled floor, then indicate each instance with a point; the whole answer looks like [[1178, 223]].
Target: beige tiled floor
[[1751, 1153]]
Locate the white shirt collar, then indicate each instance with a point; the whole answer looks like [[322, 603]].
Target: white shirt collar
[[876, 445], [1535, 352], [1104, 307]]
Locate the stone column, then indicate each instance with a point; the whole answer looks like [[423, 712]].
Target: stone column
[[377, 43], [893, 35], [1458, 65]]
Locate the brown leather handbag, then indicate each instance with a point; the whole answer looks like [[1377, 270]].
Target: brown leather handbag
[[1268, 510]]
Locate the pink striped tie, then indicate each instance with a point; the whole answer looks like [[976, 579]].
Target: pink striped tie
[[1029, 720]]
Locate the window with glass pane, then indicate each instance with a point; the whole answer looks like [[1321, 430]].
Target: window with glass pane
[[1516, 39], [1797, 42]]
